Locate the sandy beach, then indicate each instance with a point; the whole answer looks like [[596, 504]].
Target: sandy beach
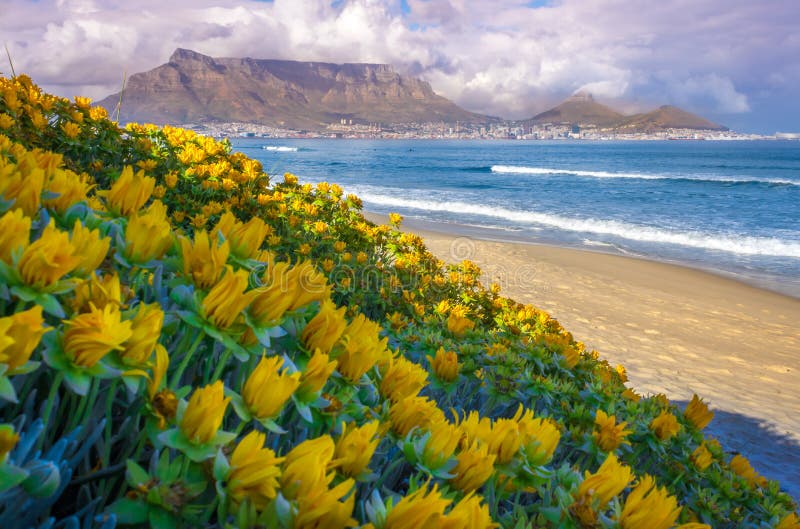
[[677, 330]]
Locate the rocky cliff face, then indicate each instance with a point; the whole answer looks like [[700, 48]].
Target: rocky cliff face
[[193, 87]]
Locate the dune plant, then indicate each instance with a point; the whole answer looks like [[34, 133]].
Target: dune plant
[[185, 342]]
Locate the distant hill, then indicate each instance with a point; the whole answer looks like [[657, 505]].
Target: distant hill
[[581, 109], [192, 87], [667, 117]]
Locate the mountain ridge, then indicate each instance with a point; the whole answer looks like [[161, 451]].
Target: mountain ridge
[[581, 109], [192, 87]]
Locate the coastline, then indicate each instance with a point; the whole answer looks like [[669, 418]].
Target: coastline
[[677, 330]]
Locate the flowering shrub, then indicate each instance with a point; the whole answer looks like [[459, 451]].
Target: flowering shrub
[[184, 343]]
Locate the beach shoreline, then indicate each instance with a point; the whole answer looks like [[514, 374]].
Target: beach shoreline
[[677, 330]]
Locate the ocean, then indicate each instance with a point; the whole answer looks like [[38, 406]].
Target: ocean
[[732, 207]]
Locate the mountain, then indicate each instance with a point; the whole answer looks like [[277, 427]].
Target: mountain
[[667, 117], [581, 109], [193, 87]]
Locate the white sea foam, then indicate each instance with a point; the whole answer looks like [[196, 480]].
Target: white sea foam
[[696, 239], [514, 169], [279, 148]]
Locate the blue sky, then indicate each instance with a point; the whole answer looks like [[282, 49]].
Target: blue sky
[[736, 62]]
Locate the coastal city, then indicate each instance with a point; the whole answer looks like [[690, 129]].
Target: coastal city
[[495, 131]]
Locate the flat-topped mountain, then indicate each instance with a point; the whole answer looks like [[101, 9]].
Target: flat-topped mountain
[[581, 109], [193, 87]]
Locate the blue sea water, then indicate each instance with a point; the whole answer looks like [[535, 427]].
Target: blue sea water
[[729, 207]]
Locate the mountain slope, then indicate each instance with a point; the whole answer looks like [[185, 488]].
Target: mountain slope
[[193, 87], [667, 117], [579, 109]]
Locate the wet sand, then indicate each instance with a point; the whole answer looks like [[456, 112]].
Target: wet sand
[[677, 331]]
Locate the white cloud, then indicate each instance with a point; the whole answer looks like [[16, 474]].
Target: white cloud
[[499, 57]]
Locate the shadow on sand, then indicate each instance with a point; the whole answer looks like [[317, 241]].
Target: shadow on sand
[[774, 454]]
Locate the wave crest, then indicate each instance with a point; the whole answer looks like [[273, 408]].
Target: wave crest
[[514, 169], [743, 245]]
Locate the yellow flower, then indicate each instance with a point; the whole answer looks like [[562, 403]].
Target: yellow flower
[[323, 510], [316, 374], [608, 435], [71, 129], [414, 411], [402, 378], [148, 236], [741, 466], [475, 428], [790, 521], [90, 247], [146, 329], [395, 219], [695, 525], [254, 471], [70, 190], [15, 228], [665, 425], [171, 179], [305, 284], [267, 389], [324, 329], [701, 457], [441, 444], [697, 413], [355, 447], [475, 466], [630, 395], [649, 507], [445, 365], [270, 303], [539, 438], [159, 370], [204, 413], [49, 258], [98, 292], [362, 348], [98, 113], [83, 103], [505, 441], [305, 468], [339, 246], [203, 261], [289, 179], [227, 299], [6, 121], [130, 192], [24, 330], [422, 509], [8, 440], [245, 239], [609, 480], [458, 323], [469, 513], [91, 336]]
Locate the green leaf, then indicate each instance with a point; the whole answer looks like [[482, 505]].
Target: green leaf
[[161, 519], [7, 391], [129, 512], [221, 467], [77, 381], [11, 476], [135, 474]]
